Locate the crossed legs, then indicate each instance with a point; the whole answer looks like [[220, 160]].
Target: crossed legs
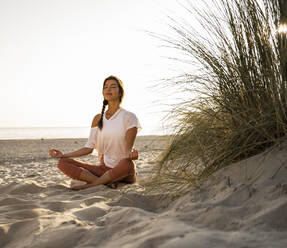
[[97, 175]]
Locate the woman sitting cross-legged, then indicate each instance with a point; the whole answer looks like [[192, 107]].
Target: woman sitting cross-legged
[[112, 134]]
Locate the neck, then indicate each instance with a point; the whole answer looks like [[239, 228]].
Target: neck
[[113, 106]]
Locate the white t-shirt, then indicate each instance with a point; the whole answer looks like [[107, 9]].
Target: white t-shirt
[[110, 141]]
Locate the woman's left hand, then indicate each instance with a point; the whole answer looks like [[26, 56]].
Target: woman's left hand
[[55, 153], [133, 155]]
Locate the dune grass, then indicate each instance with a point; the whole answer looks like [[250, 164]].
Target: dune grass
[[238, 99]]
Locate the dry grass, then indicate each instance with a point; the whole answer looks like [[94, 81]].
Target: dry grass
[[241, 99]]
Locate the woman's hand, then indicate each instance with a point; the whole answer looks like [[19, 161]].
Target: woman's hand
[[133, 155], [55, 153]]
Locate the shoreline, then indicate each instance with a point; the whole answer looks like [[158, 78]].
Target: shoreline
[[41, 139]]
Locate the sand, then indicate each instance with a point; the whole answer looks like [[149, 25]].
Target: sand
[[243, 205]]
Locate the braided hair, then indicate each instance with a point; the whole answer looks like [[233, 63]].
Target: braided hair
[[105, 102]]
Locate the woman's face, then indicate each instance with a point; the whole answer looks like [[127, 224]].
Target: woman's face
[[111, 90]]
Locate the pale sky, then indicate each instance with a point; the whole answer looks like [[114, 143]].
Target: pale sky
[[55, 54]]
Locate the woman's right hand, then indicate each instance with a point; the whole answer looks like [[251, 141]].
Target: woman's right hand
[[55, 153], [133, 155]]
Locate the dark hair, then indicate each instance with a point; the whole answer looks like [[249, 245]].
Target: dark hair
[[105, 102]]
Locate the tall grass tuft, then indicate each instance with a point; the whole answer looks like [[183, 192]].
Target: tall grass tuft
[[240, 108]]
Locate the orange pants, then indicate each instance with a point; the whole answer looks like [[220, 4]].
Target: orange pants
[[124, 171]]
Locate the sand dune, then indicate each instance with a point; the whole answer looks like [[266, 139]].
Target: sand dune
[[243, 205]]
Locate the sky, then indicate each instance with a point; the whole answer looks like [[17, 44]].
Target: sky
[[55, 54]]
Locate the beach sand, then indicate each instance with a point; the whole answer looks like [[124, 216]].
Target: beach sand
[[243, 205]]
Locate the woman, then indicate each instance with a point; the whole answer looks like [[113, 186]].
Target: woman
[[112, 134]]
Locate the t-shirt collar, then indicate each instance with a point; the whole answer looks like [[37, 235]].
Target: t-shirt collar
[[114, 115]]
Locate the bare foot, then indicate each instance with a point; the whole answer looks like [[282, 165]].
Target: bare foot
[[79, 187], [112, 185]]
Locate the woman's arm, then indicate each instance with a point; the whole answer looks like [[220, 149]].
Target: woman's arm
[[78, 153], [130, 140], [130, 137]]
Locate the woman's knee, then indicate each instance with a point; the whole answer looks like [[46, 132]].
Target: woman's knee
[[124, 168], [64, 160], [68, 168], [126, 162], [64, 163]]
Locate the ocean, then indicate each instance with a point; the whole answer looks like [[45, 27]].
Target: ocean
[[44, 133]]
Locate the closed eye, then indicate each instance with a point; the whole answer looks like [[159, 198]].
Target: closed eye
[[111, 87]]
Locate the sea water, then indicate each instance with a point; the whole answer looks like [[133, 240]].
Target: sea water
[[44, 132]]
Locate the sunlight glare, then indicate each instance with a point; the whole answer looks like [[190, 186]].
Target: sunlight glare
[[282, 29]]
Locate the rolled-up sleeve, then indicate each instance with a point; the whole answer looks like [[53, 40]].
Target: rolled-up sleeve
[[132, 121], [91, 143]]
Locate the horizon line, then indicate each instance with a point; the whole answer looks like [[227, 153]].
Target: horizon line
[[45, 127]]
